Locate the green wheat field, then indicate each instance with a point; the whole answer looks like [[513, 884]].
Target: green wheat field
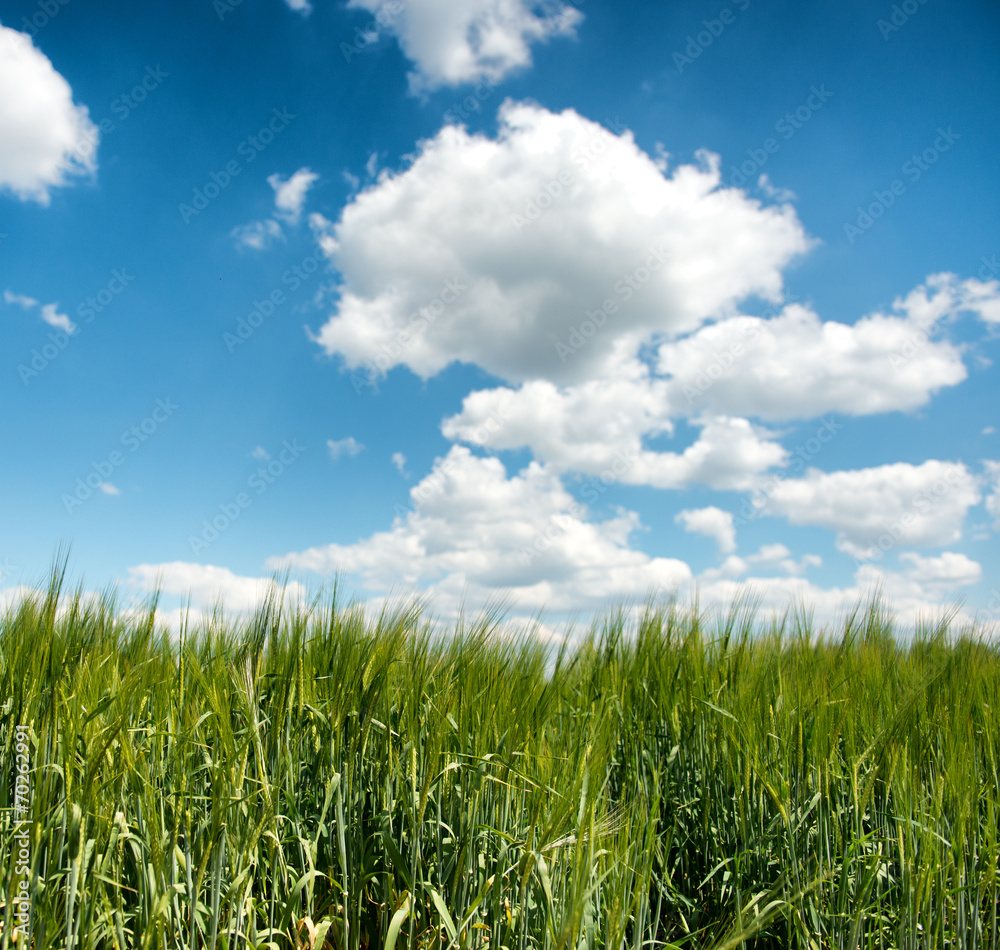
[[318, 776]]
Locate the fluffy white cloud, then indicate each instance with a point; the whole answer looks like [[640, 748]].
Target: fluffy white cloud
[[596, 426], [206, 585], [873, 510], [945, 572], [713, 523], [290, 194], [471, 531], [794, 366], [443, 262], [338, 447], [45, 139], [301, 6], [458, 41]]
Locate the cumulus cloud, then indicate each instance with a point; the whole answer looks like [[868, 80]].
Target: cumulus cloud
[[457, 41], [875, 509], [45, 139], [946, 572], [713, 523], [207, 584], [472, 530], [795, 366], [494, 251], [349, 446], [590, 427]]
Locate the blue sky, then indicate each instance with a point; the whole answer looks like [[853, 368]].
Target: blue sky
[[572, 302]]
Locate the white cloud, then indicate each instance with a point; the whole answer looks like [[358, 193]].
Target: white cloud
[[399, 460], [52, 316], [588, 428], [472, 531], [257, 235], [447, 235], [945, 572], [983, 299], [45, 139], [260, 453], [301, 6], [207, 584], [349, 446], [457, 41], [109, 489], [772, 191], [911, 597], [49, 312], [25, 303], [993, 499], [769, 556], [794, 366], [289, 200], [713, 523], [876, 509], [290, 194]]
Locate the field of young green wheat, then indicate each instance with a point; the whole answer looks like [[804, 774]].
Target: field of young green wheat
[[321, 778]]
